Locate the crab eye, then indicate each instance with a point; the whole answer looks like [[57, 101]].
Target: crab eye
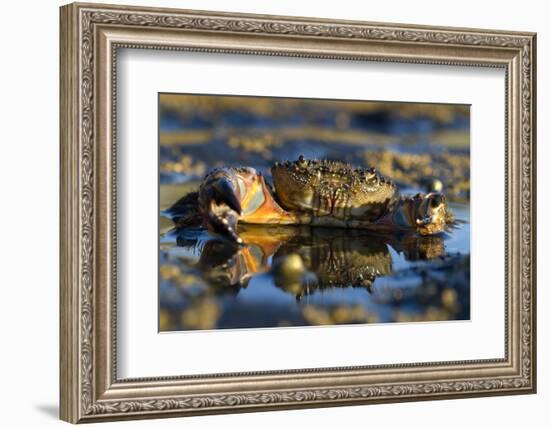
[[370, 176], [302, 162]]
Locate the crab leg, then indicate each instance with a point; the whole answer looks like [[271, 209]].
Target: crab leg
[[423, 214]]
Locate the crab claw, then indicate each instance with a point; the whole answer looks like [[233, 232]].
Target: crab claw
[[223, 221], [231, 195], [220, 205], [222, 191], [432, 213]]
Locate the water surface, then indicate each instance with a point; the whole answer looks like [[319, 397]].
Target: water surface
[[298, 276]]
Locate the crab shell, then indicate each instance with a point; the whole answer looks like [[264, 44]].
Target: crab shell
[[333, 189], [316, 193]]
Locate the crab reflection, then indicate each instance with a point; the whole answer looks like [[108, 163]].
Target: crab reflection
[[303, 260]]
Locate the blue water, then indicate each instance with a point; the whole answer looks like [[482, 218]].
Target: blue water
[[206, 283], [261, 303]]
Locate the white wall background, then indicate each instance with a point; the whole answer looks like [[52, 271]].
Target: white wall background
[[29, 170]]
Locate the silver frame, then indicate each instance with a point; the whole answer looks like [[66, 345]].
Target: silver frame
[[90, 37]]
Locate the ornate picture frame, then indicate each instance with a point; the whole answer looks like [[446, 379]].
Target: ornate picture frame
[[90, 37]]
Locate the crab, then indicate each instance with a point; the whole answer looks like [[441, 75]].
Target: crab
[[318, 193]]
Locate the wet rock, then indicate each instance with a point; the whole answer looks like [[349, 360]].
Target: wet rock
[[185, 165], [438, 171], [432, 185], [261, 144], [288, 273], [201, 315], [338, 315]]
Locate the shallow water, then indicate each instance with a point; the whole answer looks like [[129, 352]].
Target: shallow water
[[346, 276], [297, 276]]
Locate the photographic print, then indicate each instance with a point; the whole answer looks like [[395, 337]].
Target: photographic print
[[280, 212], [254, 204]]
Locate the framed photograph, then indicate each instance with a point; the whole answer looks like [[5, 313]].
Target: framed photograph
[[266, 212]]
